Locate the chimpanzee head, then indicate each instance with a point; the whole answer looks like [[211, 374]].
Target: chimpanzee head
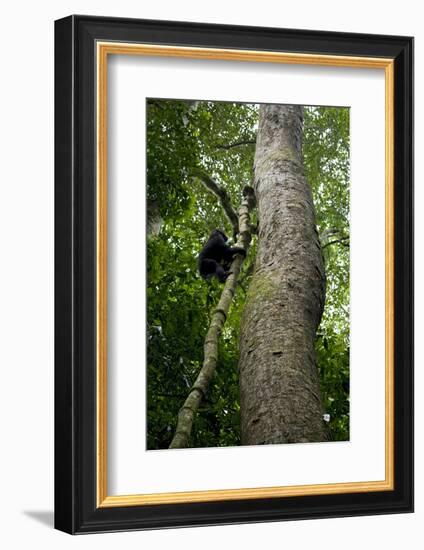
[[216, 232]]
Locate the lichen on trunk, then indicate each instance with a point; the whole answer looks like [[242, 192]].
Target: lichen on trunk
[[279, 385]]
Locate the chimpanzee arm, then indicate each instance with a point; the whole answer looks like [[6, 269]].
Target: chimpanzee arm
[[229, 253]]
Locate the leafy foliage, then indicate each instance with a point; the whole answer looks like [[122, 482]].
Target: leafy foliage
[[326, 160], [219, 138]]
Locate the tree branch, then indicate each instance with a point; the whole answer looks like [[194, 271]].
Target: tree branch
[[200, 387], [223, 197], [236, 144], [341, 241]]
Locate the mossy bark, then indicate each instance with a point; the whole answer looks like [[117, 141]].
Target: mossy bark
[[279, 386]]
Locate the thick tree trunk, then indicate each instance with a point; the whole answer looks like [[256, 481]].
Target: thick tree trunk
[[279, 386]]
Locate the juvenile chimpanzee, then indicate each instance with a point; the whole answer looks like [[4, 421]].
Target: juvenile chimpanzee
[[216, 256]]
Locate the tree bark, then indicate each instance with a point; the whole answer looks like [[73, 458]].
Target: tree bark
[[280, 398], [154, 219]]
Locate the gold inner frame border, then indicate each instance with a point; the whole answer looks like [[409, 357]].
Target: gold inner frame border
[[103, 50]]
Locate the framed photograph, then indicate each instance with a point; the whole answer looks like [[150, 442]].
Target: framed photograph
[[234, 274]]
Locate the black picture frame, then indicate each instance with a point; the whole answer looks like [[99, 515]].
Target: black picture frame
[[76, 509]]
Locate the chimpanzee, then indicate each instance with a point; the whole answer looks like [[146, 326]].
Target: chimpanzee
[[216, 256]]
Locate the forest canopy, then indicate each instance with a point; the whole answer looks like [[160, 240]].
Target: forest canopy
[[188, 142]]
